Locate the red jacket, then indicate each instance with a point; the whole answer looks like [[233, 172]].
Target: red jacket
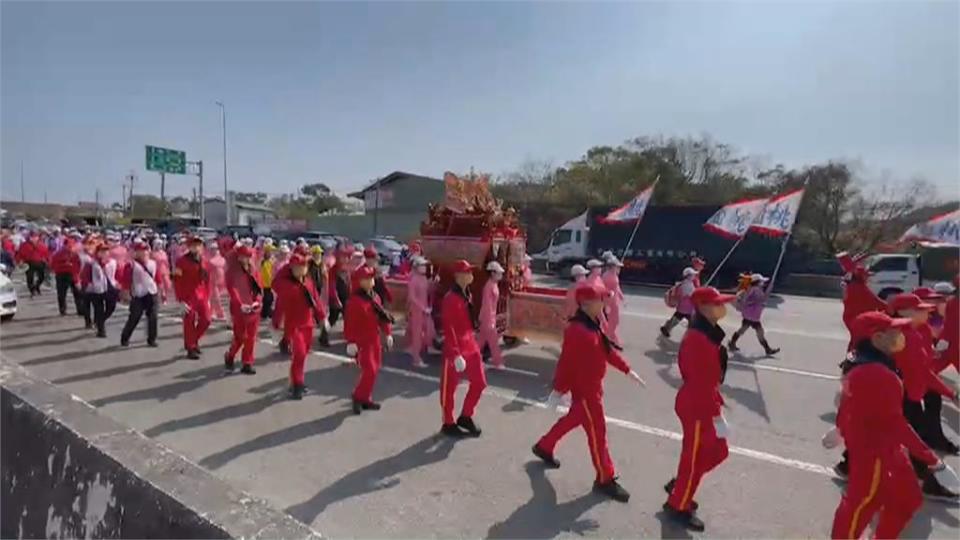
[[870, 417], [244, 288], [33, 252], [457, 322], [702, 362], [191, 279], [915, 363], [857, 299], [298, 300], [365, 318], [584, 358], [66, 261], [950, 334], [332, 297]]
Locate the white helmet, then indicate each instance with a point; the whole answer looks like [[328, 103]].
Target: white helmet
[[578, 270], [943, 288], [689, 272], [758, 278]]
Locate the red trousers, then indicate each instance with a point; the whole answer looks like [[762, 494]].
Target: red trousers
[[369, 358], [300, 338], [449, 379], [586, 413], [884, 483], [245, 326], [195, 322], [702, 451]]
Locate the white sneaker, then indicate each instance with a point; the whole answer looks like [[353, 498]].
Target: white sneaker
[[419, 364]]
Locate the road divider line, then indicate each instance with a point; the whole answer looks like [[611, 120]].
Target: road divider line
[[834, 336]]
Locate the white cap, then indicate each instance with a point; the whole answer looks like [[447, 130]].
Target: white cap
[[754, 278], [612, 260], [943, 288], [607, 255], [578, 270], [494, 266], [284, 248], [594, 263], [688, 272]]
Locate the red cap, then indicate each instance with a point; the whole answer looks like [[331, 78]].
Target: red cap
[[194, 240], [708, 295], [588, 293], [140, 246], [369, 252], [416, 248], [698, 263], [926, 293], [462, 267], [908, 301], [244, 251], [871, 322], [301, 250], [364, 272], [103, 247], [297, 260]]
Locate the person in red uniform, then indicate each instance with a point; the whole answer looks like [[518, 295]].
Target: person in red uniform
[[580, 371], [460, 354], [857, 296], [363, 323], [65, 264], [703, 364], [192, 286], [933, 433], [875, 432], [34, 254], [246, 299], [372, 259], [949, 343], [301, 308]]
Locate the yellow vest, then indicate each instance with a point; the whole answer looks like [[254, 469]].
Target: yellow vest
[[266, 273]]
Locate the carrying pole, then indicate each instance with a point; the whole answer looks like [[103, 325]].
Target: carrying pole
[[722, 262], [776, 269]]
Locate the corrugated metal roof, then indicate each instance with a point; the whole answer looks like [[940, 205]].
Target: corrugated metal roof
[[389, 179]]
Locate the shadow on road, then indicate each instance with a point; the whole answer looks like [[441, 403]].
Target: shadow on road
[[669, 529], [111, 372], [541, 516], [193, 380], [381, 474]]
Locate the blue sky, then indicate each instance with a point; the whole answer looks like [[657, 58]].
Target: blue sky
[[345, 92]]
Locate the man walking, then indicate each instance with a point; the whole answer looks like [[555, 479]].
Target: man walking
[[141, 281]]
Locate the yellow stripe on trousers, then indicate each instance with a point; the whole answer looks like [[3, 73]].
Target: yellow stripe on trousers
[[592, 441], [443, 392], [693, 465], [874, 484]]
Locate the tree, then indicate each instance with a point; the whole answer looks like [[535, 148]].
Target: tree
[[315, 190], [147, 206], [881, 215]]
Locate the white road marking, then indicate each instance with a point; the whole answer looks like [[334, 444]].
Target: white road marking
[[791, 371], [835, 336]]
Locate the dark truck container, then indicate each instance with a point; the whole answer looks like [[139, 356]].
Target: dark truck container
[[670, 236]]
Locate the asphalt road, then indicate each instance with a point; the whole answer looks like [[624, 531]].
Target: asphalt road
[[388, 473]]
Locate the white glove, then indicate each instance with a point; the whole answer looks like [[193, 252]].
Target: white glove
[[831, 439], [246, 308], [389, 343], [459, 364], [352, 350], [554, 400], [946, 476], [185, 309], [427, 311], [633, 375], [721, 427], [942, 345]]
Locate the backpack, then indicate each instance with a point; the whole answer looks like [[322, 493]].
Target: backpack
[[672, 297]]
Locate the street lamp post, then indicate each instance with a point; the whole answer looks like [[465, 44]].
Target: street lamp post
[[226, 192]]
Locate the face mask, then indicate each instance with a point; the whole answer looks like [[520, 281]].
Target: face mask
[[594, 271]]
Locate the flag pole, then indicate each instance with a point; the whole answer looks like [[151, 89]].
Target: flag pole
[[724, 260], [776, 269], [637, 224]]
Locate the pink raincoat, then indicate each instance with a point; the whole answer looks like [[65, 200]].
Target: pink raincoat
[[218, 283], [420, 331], [488, 321], [613, 302], [163, 273]]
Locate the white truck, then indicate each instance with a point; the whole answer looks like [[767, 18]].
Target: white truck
[[894, 273]]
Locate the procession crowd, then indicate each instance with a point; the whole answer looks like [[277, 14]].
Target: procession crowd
[[889, 404]]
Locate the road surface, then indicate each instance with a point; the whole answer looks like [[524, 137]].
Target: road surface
[[388, 473]]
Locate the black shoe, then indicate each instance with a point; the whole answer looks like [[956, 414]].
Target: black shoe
[[124, 343], [370, 406], [152, 344], [357, 406], [613, 490], [933, 490], [842, 469], [101, 334], [946, 446], [469, 426], [284, 347], [192, 354], [247, 369], [228, 364], [197, 349], [296, 392], [664, 332], [451, 430], [668, 487], [546, 457], [687, 519], [88, 326], [772, 351], [324, 340], [732, 347]]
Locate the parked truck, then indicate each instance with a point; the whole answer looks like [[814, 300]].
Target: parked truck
[[666, 240], [926, 264]]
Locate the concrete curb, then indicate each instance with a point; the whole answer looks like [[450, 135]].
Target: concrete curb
[[141, 488]]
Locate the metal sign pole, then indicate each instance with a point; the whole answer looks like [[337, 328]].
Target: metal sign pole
[[203, 214]]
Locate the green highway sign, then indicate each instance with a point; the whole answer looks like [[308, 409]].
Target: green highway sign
[[166, 160]]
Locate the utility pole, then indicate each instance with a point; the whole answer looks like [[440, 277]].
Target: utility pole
[[199, 196], [96, 203], [44, 196], [223, 125], [131, 178], [163, 186], [124, 201], [23, 196]]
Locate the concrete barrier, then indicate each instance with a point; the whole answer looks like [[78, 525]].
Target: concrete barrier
[[69, 472]]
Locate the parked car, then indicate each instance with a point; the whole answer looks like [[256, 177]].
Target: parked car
[[8, 296]]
